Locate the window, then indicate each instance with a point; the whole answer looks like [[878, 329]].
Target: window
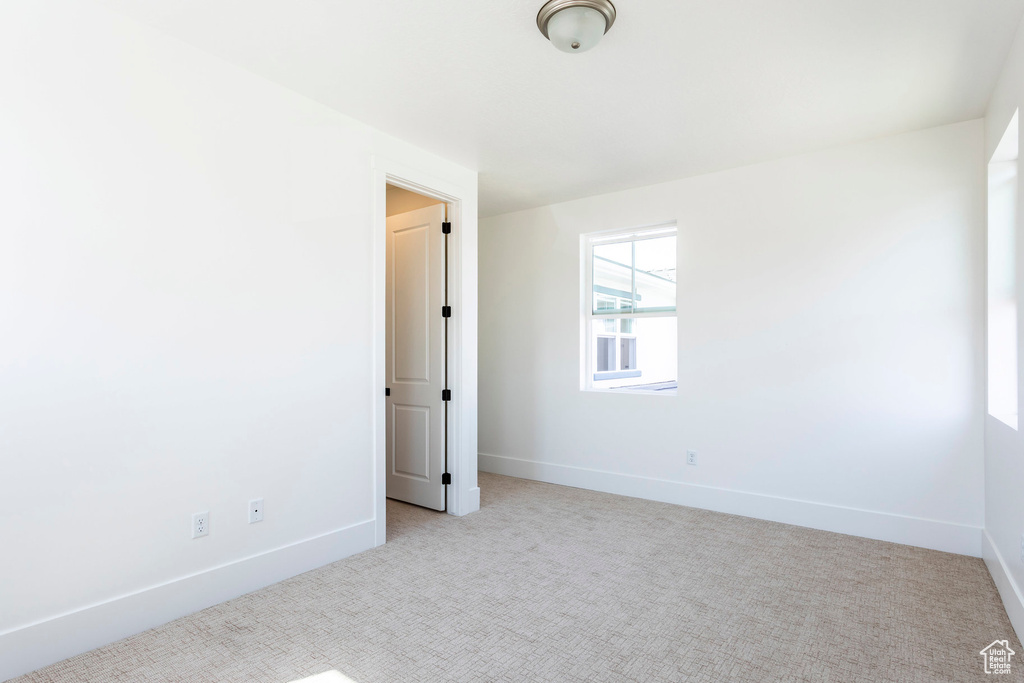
[[1002, 278], [629, 310]]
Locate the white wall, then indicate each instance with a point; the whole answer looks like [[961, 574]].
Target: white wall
[[186, 294], [830, 343], [1004, 447]]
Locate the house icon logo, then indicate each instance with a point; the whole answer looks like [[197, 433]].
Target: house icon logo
[[997, 657]]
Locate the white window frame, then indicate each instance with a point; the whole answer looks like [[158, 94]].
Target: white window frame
[[588, 341]]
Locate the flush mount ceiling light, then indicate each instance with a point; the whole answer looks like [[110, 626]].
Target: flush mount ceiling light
[[575, 25]]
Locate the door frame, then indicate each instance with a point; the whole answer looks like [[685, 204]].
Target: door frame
[[463, 492]]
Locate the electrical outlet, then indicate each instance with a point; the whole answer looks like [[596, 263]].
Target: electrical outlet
[[255, 510], [691, 457], [200, 524]]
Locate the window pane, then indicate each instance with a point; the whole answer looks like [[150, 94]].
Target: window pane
[[635, 277], [644, 360], [656, 274], [613, 277]]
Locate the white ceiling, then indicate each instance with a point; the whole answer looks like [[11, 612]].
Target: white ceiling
[[677, 88]]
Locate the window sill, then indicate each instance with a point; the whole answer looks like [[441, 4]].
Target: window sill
[[633, 392], [657, 389], [1008, 420]]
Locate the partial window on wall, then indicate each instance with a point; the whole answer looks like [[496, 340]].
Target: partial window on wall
[[1002, 277], [629, 311]]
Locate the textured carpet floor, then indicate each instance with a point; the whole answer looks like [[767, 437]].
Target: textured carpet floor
[[548, 583]]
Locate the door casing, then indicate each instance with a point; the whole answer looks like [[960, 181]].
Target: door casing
[[463, 492]]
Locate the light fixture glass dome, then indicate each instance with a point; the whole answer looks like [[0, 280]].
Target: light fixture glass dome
[[576, 29], [575, 25]]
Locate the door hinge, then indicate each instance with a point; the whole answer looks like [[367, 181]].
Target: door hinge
[[446, 311], [387, 392], [446, 479], [446, 394], [446, 227]]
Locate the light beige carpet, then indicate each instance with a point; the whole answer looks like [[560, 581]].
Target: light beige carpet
[[548, 583]]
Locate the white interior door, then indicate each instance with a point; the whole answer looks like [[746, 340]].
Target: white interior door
[[415, 357]]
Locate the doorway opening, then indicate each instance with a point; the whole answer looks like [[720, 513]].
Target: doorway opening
[[417, 342]]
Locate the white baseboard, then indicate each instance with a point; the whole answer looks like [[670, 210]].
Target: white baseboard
[[466, 502], [924, 533], [1009, 591], [473, 500], [30, 647]]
